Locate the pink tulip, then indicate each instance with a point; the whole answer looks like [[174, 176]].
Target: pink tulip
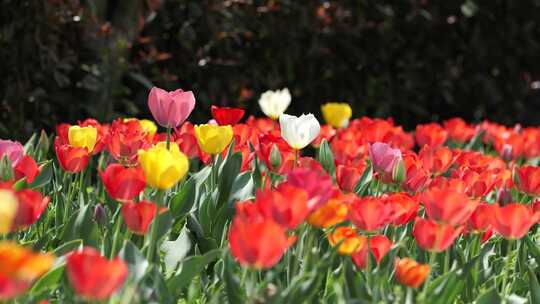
[[383, 157], [170, 109], [12, 149]]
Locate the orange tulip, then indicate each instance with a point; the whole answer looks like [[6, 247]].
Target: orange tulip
[[410, 273], [434, 237], [332, 213], [458, 130], [404, 207], [431, 134], [446, 205], [347, 239], [529, 179], [481, 218], [416, 176], [437, 160], [379, 245]]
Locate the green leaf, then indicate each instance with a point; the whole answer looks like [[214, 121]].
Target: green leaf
[[49, 280], [534, 286], [227, 176], [6, 169], [67, 247], [189, 269], [137, 263], [176, 251], [183, 201], [364, 181], [533, 248], [44, 177], [233, 289], [325, 156], [490, 297]]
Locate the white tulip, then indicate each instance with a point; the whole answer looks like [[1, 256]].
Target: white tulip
[[274, 103], [299, 132]]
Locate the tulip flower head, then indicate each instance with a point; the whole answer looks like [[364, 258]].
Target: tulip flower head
[[148, 126], [448, 206], [370, 213], [379, 245], [434, 236], [123, 184], [299, 132], [275, 103], [170, 109], [347, 239], [71, 159], [13, 150], [30, 204], [92, 276], [163, 167], [336, 114], [139, 216], [82, 137], [385, 159], [213, 139], [513, 221], [226, 115], [8, 210], [528, 179], [19, 267], [410, 273], [332, 212]]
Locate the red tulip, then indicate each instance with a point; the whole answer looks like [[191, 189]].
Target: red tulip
[[102, 132], [404, 207], [434, 237], [348, 176], [30, 206], [513, 221], [446, 205], [478, 184], [410, 273], [379, 245], [318, 185], [327, 132], [139, 216], [436, 159], [94, 277], [125, 139], [369, 213], [529, 179], [431, 134], [28, 168], [258, 242], [123, 184], [458, 130], [416, 176], [287, 205], [71, 159], [227, 116], [481, 218]]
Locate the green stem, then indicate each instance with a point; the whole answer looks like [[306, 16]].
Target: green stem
[[168, 138], [116, 235], [432, 257], [153, 238], [507, 268]]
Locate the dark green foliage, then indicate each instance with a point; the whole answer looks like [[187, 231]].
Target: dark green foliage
[[415, 60]]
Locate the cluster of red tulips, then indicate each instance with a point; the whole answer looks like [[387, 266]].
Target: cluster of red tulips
[[412, 206]]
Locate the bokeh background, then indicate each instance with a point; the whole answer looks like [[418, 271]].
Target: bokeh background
[[413, 60]]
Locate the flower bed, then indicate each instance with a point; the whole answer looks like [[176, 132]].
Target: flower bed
[[240, 212]]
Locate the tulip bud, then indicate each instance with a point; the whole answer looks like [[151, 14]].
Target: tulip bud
[[275, 157], [43, 143], [398, 173], [100, 215], [504, 196], [506, 153]]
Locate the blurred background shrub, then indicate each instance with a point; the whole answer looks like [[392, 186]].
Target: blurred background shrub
[[414, 60]]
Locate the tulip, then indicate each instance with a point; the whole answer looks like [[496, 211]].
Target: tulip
[[449, 206], [299, 132], [213, 139], [410, 273], [125, 139], [274, 103], [327, 132], [336, 114], [139, 216], [287, 205], [347, 239], [416, 177], [513, 221], [385, 160], [477, 184], [332, 213], [19, 267], [8, 210], [481, 218], [170, 109], [82, 137], [379, 245], [71, 159], [458, 130], [163, 167], [148, 126], [369, 213], [528, 179], [436, 159], [13, 150], [257, 242], [318, 186], [269, 144], [227, 116], [434, 237], [102, 132], [92, 276], [30, 205], [404, 207], [123, 184], [27, 168], [347, 177], [431, 134]]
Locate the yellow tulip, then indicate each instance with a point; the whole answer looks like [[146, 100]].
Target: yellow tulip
[[336, 114], [148, 126], [213, 139], [163, 167], [8, 210], [82, 137]]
